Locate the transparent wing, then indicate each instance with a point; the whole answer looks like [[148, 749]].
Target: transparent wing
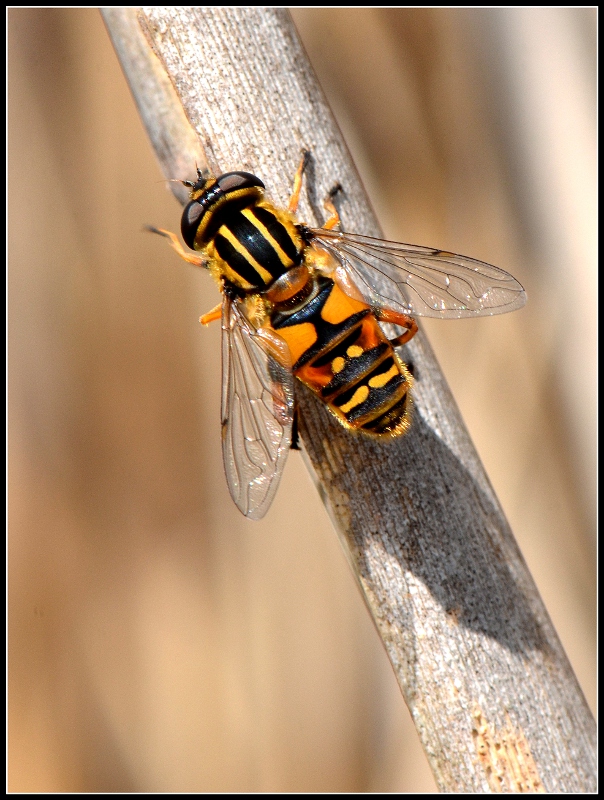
[[421, 281], [257, 412]]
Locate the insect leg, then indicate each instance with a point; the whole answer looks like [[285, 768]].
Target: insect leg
[[334, 218], [211, 316], [403, 320], [199, 261], [295, 198], [295, 445]]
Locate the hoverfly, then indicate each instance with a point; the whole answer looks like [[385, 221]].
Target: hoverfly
[[306, 303]]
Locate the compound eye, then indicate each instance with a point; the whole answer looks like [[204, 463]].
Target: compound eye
[[189, 223], [233, 181]]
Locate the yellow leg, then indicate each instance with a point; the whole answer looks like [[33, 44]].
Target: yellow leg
[[211, 316], [295, 198], [199, 261], [404, 320], [334, 218]]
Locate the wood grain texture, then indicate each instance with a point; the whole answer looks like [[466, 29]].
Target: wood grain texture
[[465, 630]]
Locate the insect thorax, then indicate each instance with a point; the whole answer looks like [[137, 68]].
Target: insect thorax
[[245, 238], [255, 245]]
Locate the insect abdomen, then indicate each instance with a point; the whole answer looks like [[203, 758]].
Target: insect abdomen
[[342, 354]]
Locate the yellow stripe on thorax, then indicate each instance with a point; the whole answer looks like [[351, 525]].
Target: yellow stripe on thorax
[[234, 242], [219, 269], [283, 257]]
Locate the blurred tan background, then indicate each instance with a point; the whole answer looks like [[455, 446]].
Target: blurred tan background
[[158, 641]]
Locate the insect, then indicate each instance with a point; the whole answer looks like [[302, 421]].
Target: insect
[[306, 303]]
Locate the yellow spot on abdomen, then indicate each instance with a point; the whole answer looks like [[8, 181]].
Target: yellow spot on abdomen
[[357, 398], [337, 365], [381, 380], [354, 351]]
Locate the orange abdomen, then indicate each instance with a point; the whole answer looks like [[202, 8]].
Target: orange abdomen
[[342, 354]]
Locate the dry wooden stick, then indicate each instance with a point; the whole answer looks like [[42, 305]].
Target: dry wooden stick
[[492, 694]]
